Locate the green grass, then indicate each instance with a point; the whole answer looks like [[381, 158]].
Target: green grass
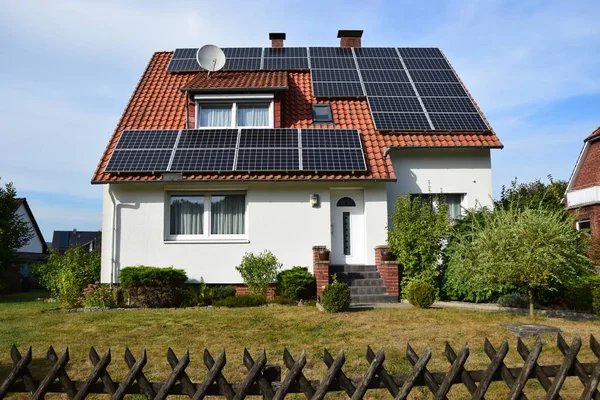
[[269, 328]]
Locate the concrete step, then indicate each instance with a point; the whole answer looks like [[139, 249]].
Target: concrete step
[[374, 298], [352, 268], [362, 282], [357, 275], [364, 290]]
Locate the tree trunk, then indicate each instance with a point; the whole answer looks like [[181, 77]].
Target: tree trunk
[[530, 293]]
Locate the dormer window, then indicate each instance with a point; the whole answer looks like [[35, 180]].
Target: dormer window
[[233, 111], [322, 113]]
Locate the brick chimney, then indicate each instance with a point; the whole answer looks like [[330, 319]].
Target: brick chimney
[[349, 38], [277, 39]]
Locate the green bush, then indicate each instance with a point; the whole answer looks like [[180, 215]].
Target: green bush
[[195, 294], [515, 299], [420, 293], [153, 287], [245, 300], [336, 297], [66, 275], [296, 283], [596, 300], [259, 271], [221, 292], [100, 295]]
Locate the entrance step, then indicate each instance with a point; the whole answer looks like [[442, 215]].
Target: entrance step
[[357, 275], [364, 290], [366, 285], [362, 282], [334, 269], [376, 298]]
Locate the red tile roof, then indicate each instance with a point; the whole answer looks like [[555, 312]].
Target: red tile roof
[[236, 80], [594, 134], [159, 103]]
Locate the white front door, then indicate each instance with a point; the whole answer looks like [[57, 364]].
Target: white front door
[[347, 227]]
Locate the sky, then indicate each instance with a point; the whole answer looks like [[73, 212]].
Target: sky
[[69, 67]]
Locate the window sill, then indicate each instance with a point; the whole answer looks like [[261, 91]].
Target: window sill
[[206, 241]]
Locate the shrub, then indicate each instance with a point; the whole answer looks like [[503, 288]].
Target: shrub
[[245, 300], [153, 287], [515, 299], [336, 297], [100, 295], [420, 293], [66, 275], [596, 301], [297, 284], [195, 294], [259, 271], [221, 292]]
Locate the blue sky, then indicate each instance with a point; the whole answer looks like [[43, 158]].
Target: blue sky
[[69, 67]]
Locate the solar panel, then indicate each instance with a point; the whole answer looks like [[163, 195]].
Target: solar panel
[[426, 63], [332, 63], [183, 64], [285, 52], [147, 139], [423, 52], [268, 159], [330, 52], [379, 75], [448, 104], [242, 52], [269, 138], [203, 160], [285, 63], [401, 121], [458, 121], [335, 75], [441, 90], [333, 160], [331, 138], [379, 63], [185, 53], [242, 63], [381, 52], [207, 139], [433, 76], [337, 89], [394, 104], [138, 160], [389, 89]]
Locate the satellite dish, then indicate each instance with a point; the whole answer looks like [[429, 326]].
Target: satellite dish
[[211, 58]]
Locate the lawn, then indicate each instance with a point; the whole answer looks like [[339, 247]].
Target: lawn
[[271, 328]]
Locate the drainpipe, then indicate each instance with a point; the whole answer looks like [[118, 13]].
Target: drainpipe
[[114, 236]]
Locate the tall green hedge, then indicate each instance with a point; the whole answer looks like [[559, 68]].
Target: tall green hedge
[[142, 275]]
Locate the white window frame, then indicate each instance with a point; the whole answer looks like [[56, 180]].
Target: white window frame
[[207, 236], [436, 200], [583, 221], [234, 100]]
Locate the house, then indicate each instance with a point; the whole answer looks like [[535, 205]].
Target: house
[[64, 240], [287, 149], [583, 190]]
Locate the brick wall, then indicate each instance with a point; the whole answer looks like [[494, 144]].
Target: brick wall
[[591, 213], [320, 269], [350, 42], [191, 113], [277, 111], [388, 271], [242, 289], [589, 173]]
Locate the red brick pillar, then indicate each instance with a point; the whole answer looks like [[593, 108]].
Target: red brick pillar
[[388, 271], [320, 269]]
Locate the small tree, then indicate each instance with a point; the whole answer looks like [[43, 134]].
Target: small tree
[[259, 271], [417, 236], [535, 194], [533, 249], [14, 232]]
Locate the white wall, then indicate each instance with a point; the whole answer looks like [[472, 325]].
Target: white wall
[[280, 219], [35, 244], [466, 171]]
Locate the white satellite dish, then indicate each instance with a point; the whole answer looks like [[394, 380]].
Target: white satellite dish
[[211, 58]]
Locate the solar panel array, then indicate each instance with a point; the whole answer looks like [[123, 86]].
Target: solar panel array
[[216, 150], [406, 88]]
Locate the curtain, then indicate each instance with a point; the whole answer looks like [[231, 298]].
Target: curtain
[[454, 209], [215, 115], [228, 215], [187, 215], [253, 115]]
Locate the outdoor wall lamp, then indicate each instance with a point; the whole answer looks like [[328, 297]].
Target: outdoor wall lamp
[[314, 200]]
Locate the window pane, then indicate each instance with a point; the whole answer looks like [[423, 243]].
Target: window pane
[[215, 115], [583, 224], [253, 115], [454, 209], [322, 112], [227, 215], [187, 215]]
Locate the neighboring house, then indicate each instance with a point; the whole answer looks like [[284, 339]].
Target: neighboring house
[[583, 190], [200, 169], [64, 240]]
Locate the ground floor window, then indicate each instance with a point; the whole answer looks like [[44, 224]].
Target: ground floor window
[[583, 224], [206, 215], [454, 201]]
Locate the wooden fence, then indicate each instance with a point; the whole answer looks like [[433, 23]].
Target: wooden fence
[[265, 380]]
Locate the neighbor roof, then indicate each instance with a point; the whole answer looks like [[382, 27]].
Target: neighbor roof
[[158, 102], [22, 201], [594, 134]]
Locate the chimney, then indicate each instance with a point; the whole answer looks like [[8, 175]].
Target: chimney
[[277, 39], [349, 38]]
